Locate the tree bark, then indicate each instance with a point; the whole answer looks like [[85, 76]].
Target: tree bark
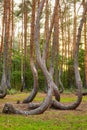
[[85, 43], [32, 65], [9, 108], [74, 105], [4, 80]]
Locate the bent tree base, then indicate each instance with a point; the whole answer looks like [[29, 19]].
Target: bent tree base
[[52, 88]]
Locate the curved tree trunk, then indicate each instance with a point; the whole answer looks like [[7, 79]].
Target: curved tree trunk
[[44, 55], [8, 108], [35, 86], [74, 105], [32, 65]]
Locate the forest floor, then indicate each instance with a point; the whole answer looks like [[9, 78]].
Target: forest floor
[[49, 120]]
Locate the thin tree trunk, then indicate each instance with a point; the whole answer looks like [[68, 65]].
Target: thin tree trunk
[[32, 65], [85, 57], [74, 105], [10, 51], [22, 42], [46, 30], [2, 37], [44, 55], [4, 85]]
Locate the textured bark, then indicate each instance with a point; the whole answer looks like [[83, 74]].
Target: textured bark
[[2, 37], [69, 57], [32, 65], [25, 21], [22, 44], [4, 80], [46, 45], [74, 27], [34, 105], [62, 31], [85, 43], [46, 103], [9, 47], [46, 31], [74, 105], [11, 35], [56, 42], [9, 108], [44, 55]]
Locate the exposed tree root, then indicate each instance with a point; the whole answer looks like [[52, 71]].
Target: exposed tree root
[[58, 105], [31, 96], [34, 105], [9, 108]]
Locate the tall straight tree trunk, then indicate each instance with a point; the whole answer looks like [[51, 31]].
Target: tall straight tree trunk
[[46, 30], [2, 37], [25, 40], [65, 46], [55, 47], [39, 27], [85, 43], [10, 49], [56, 42], [74, 27], [22, 49], [69, 53], [11, 35], [62, 31], [4, 84]]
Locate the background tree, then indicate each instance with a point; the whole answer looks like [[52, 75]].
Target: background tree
[[4, 81]]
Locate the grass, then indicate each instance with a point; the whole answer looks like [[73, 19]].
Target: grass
[[50, 120], [64, 122]]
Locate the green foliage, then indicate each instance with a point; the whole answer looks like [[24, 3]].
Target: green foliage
[[12, 91], [16, 73], [41, 80], [81, 58], [67, 77], [81, 63]]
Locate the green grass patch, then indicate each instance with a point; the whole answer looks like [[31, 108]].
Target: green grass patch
[[50, 120], [59, 122]]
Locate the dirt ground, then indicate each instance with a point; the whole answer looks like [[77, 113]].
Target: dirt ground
[[82, 109]]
